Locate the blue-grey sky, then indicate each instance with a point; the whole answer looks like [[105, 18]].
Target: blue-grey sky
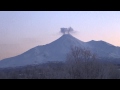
[[22, 30]]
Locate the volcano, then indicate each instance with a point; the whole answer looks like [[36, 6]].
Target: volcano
[[58, 50], [54, 51]]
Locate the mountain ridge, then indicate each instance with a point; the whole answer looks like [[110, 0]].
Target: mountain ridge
[[54, 51], [57, 51]]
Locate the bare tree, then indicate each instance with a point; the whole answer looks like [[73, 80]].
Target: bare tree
[[82, 63]]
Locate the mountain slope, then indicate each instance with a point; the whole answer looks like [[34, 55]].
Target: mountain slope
[[54, 51], [57, 51], [104, 49]]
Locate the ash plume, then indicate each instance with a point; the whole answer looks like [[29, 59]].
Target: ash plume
[[66, 30]]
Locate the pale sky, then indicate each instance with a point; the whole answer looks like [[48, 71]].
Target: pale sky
[[23, 30]]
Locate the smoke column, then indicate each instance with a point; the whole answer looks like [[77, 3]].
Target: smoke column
[[66, 30]]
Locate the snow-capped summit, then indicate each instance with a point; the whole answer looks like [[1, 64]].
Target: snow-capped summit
[[57, 51], [54, 51]]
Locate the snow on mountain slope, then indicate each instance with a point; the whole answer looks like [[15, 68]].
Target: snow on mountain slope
[[54, 51], [57, 51], [104, 49]]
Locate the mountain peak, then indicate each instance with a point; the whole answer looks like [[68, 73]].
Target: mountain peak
[[67, 35], [67, 40], [100, 42], [57, 51]]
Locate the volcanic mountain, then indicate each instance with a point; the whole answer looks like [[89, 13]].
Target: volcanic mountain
[[57, 51], [54, 51]]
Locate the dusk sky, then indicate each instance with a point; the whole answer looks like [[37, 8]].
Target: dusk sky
[[23, 30]]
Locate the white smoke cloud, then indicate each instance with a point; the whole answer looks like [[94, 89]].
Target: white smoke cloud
[[66, 30]]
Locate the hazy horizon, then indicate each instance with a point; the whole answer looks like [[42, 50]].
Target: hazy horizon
[[22, 30]]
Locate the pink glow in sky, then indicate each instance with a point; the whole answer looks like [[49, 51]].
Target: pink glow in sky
[[22, 30]]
